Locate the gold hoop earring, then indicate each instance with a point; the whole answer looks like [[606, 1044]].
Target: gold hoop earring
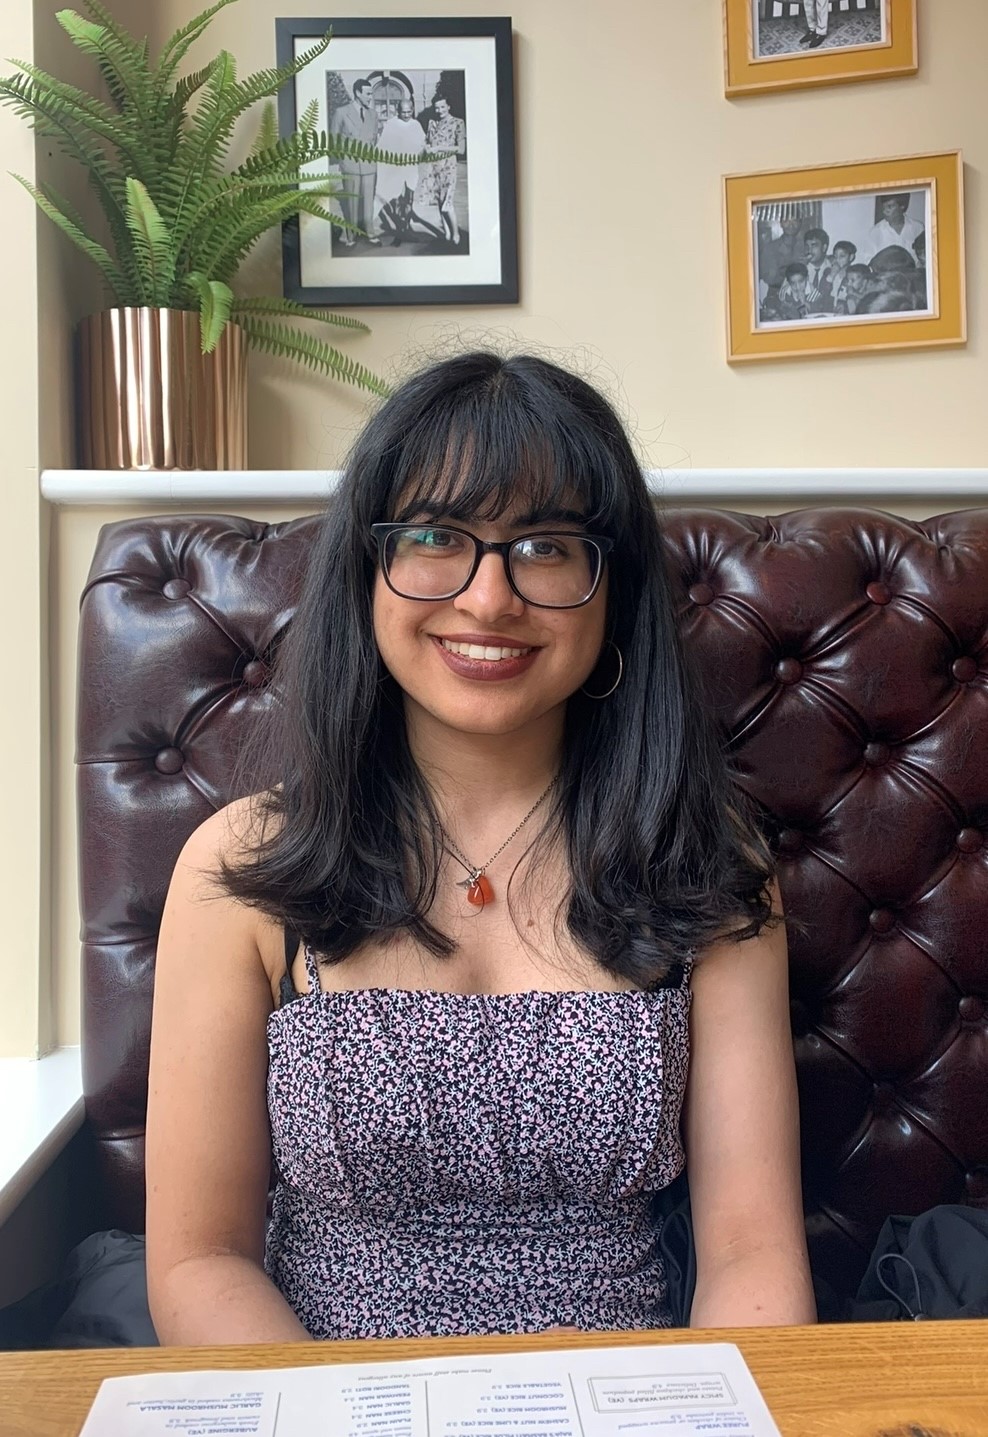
[[614, 685]]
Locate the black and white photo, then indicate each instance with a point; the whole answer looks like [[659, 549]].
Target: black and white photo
[[841, 258], [800, 44], [436, 222], [802, 27], [421, 207]]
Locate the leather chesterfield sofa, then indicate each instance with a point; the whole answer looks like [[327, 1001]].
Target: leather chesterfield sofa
[[846, 652]]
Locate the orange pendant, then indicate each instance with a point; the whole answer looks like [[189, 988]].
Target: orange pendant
[[480, 892]]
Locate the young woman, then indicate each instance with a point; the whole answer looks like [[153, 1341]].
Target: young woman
[[494, 902]]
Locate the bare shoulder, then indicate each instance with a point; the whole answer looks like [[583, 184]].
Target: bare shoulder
[[230, 834], [226, 839]]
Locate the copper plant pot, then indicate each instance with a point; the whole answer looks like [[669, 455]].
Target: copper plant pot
[[150, 399]]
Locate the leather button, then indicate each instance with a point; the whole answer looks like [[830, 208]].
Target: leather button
[[176, 588], [964, 669], [882, 920], [169, 760], [879, 593], [790, 840], [701, 593], [976, 1187], [969, 840], [788, 671], [971, 1009], [876, 754], [255, 672], [883, 1098]]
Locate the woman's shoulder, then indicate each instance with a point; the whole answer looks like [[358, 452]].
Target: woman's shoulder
[[231, 834]]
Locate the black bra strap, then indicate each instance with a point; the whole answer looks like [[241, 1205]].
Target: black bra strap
[[287, 985]]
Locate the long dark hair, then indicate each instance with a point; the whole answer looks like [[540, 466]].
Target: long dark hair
[[661, 856]]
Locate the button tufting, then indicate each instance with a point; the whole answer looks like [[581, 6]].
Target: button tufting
[[964, 669], [255, 672], [169, 760], [876, 754], [701, 593], [878, 592], [884, 1097], [969, 840], [882, 920], [976, 1187], [790, 840], [971, 1009], [176, 588], [788, 671]]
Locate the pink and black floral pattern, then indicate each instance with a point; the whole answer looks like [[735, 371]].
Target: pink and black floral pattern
[[473, 1163]]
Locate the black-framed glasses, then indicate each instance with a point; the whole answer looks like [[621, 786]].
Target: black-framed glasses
[[550, 569]]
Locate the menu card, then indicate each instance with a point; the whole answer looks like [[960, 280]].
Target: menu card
[[578, 1392]]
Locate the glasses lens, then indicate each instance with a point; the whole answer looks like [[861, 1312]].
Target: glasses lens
[[555, 570], [428, 563]]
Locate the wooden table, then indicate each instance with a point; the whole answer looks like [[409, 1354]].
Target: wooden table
[[896, 1379]]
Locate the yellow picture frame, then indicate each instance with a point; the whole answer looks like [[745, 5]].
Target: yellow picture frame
[[748, 71], [757, 326]]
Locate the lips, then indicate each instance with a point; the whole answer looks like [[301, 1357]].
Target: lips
[[487, 661]]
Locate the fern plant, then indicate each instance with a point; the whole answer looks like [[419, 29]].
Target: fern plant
[[179, 222]]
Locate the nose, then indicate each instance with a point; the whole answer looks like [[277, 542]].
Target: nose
[[489, 595]]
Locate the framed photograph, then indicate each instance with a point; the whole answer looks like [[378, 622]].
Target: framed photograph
[[845, 257], [786, 44], [419, 233]]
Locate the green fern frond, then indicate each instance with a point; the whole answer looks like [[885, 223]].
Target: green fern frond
[[233, 237], [296, 311], [70, 226], [47, 118], [79, 108], [213, 128], [314, 353], [121, 59], [267, 130], [245, 196], [215, 304], [113, 27], [301, 148], [181, 43], [152, 243]]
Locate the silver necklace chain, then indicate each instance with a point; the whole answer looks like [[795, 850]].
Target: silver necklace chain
[[476, 872]]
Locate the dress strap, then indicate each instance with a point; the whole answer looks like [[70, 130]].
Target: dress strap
[[288, 989], [311, 969]]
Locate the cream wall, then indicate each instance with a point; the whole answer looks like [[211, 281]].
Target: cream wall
[[621, 270], [621, 253]]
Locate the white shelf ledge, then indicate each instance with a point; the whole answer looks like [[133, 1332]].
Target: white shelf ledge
[[313, 486], [41, 1100]]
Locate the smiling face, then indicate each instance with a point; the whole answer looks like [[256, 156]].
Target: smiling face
[[418, 641], [441, 106]]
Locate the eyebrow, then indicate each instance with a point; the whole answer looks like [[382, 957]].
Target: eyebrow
[[524, 521]]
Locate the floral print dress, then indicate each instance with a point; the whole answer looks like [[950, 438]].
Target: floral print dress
[[473, 1163]]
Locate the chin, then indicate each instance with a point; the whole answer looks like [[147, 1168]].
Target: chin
[[484, 719]]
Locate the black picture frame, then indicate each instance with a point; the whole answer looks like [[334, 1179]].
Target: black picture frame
[[481, 265]]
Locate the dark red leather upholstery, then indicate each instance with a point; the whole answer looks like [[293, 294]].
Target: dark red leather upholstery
[[845, 651]]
